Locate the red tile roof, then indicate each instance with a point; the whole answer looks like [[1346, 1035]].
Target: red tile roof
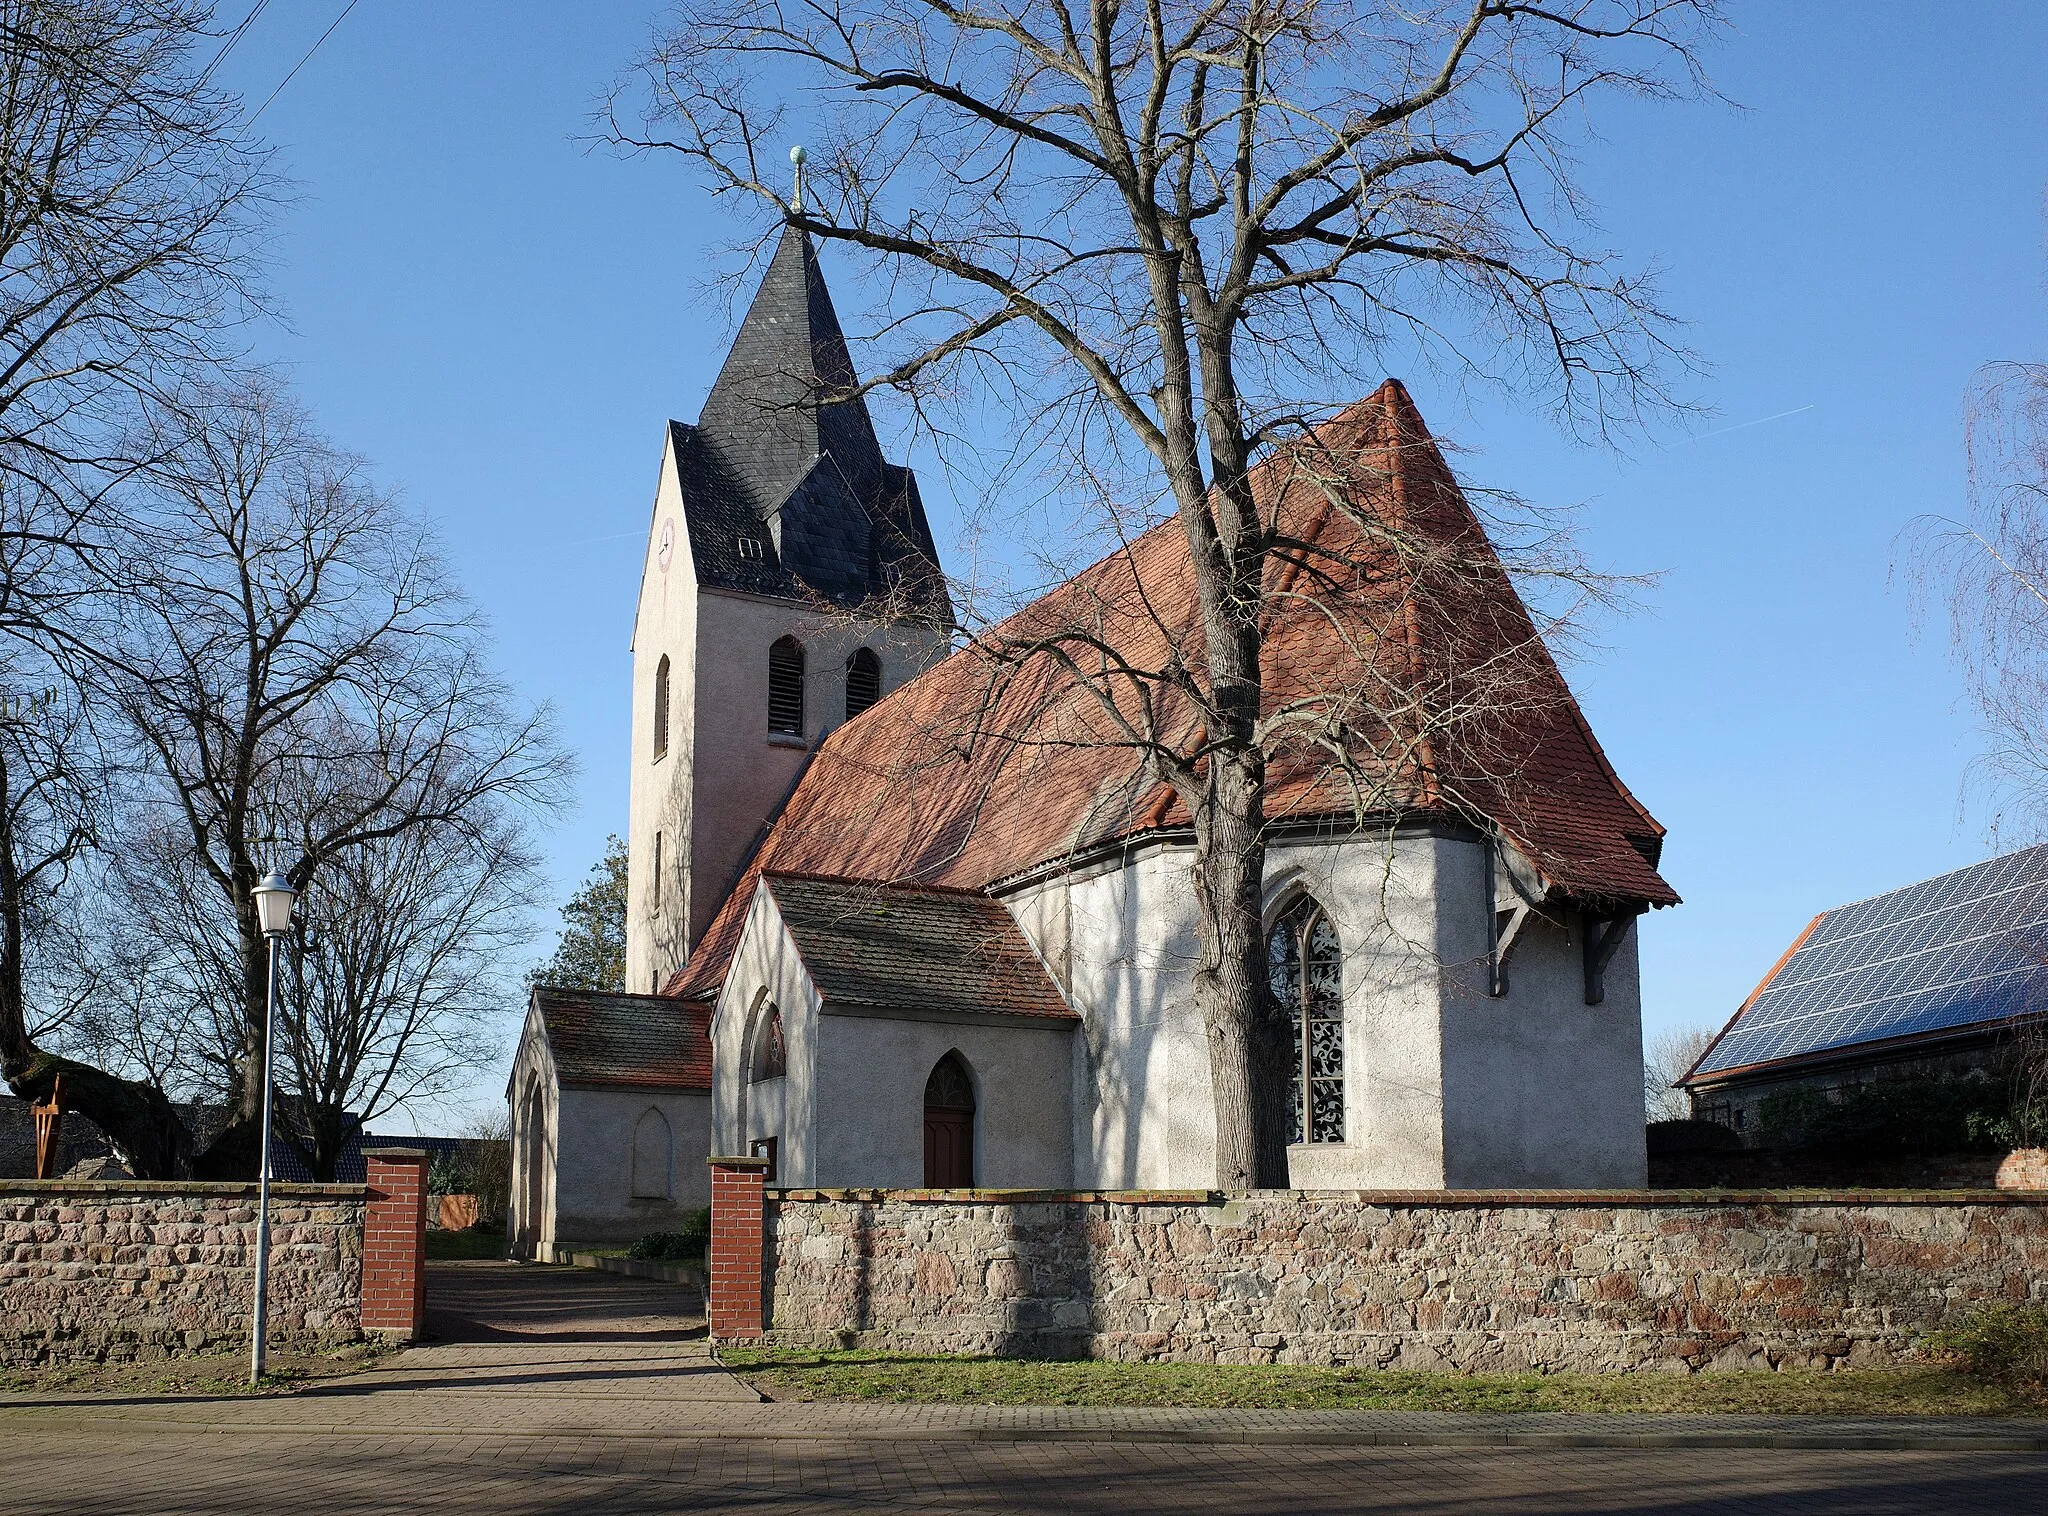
[[1391, 601], [598, 1038], [914, 947]]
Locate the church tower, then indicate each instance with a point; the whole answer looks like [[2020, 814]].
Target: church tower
[[790, 582]]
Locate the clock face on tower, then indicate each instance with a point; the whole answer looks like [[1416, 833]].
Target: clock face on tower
[[665, 544]]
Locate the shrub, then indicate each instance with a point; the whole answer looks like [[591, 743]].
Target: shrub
[[670, 1247], [1925, 1114], [2007, 1343], [444, 1178]]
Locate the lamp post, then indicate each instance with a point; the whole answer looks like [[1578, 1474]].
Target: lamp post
[[273, 895]]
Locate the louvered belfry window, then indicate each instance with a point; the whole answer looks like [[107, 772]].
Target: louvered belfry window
[[1305, 971], [863, 682], [786, 687]]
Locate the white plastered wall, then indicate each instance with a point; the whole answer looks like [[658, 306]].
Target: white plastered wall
[[850, 1109], [870, 1109], [595, 1155], [1541, 1089], [659, 796], [1445, 1086], [532, 1093], [766, 971]]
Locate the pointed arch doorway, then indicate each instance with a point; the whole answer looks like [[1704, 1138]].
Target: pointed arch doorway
[[949, 1126]]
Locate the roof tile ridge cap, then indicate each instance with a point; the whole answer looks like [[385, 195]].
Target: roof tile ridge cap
[[1761, 985], [869, 881], [1391, 399]]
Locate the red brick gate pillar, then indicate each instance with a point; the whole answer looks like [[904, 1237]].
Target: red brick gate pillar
[[395, 1243], [738, 1287]]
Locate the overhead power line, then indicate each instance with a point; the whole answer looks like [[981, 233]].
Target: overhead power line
[[287, 79]]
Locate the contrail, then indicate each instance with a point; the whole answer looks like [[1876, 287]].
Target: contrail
[[1743, 425]]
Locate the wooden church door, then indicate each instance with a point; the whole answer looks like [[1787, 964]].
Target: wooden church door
[[949, 1126]]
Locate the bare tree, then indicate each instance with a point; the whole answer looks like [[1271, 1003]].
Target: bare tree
[[407, 939], [1991, 569], [130, 199], [305, 682], [1988, 570], [1668, 1058], [1166, 233]]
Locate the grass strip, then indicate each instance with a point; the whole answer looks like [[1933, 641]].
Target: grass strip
[[201, 1374], [793, 1374]]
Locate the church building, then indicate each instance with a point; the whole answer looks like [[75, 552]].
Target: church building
[[941, 941]]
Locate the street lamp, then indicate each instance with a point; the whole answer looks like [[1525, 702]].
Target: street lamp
[[273, 896]]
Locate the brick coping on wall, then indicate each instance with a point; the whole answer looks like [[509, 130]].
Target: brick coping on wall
[[1634, 1199], [35, 1187]]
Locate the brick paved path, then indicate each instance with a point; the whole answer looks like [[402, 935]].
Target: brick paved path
[[565, 1390]]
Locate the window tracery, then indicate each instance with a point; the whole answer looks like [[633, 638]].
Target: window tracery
[[1305, 974], [771, 1054]]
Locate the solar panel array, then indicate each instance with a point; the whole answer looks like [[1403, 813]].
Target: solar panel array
[[1950, 952]]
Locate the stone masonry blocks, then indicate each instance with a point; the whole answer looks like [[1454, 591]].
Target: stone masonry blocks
[[1512, 1281], [129, 1269]]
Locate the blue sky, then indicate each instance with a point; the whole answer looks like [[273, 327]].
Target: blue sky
[[502, 321]]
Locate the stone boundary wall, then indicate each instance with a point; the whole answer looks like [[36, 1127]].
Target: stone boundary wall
[[129, 1269], [1462, 1280]]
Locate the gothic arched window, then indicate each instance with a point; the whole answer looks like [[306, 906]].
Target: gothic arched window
[[771, 1054], [863, 681], [1305, 971], [661, 706], [786, 687]]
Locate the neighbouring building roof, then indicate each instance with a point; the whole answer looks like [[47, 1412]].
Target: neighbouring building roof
[[599, 1038], [1957, 955], [970, 775], [911, 947], [779, 464]]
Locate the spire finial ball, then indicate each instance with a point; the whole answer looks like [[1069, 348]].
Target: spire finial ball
[[797, 155]]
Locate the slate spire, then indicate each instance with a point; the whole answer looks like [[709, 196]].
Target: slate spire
[[770, 414], [785, 489]]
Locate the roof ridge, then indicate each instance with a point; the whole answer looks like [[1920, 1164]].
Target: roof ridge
[[908, 885]]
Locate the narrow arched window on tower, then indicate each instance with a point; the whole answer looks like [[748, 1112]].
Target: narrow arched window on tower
[[661, 706], [654, 888], [1305, 972], [786, 687], [863, 681]]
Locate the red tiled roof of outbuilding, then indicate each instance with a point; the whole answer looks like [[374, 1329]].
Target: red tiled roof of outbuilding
[[900, 945], [903, 794], [601, 1038]]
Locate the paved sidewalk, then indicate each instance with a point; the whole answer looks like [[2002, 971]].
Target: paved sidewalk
[[556, 1388]]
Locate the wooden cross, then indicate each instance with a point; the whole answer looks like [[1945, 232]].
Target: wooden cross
[[49, 1124]]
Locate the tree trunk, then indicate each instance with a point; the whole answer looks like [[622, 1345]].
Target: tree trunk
[[138, 1118], [1247, 1035]]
